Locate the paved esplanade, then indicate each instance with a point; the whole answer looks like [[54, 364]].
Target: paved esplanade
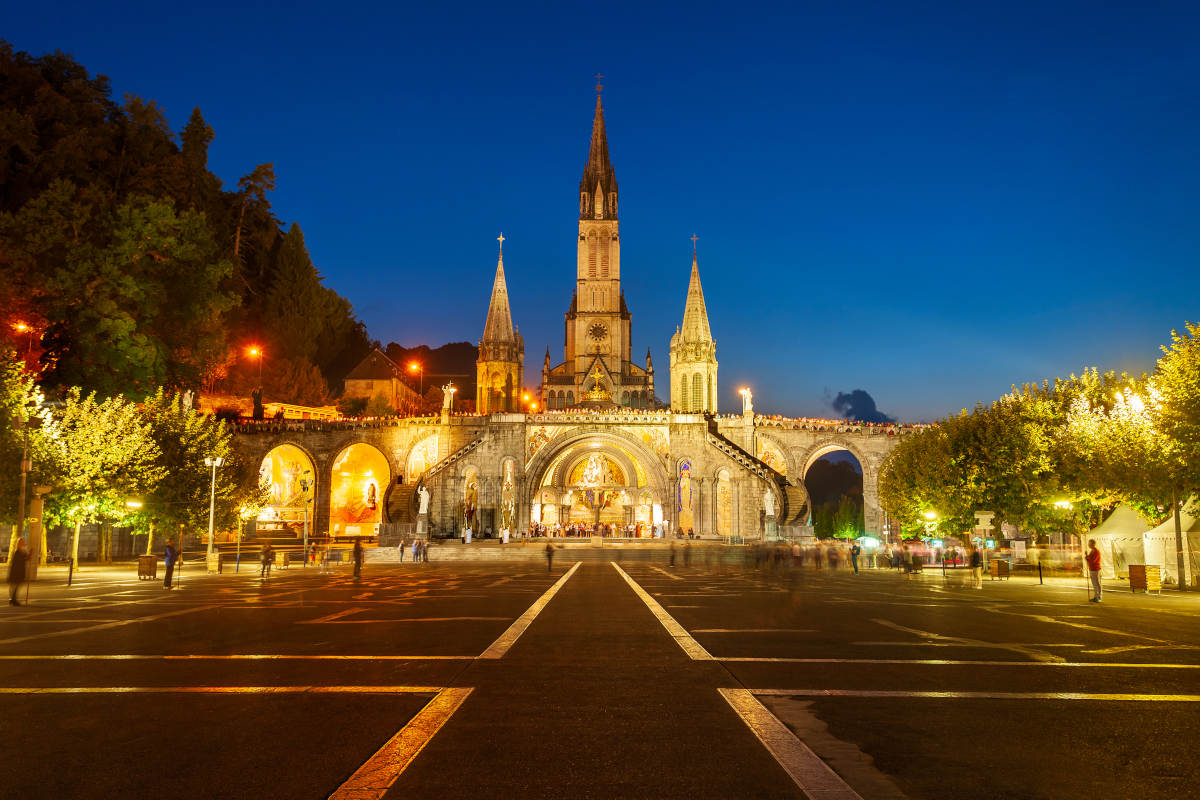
[[599, 680]]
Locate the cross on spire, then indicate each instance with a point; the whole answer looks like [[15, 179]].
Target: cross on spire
[[599, 85], [694, 238], [500, 239]]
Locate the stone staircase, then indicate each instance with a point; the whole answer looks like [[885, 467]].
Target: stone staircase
[[453, 458], [795, 497], [400, 503]]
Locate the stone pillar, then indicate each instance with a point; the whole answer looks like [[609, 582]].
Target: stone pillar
[[872, 513], [700, 508], [321, 509]]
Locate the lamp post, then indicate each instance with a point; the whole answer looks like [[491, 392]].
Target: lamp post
[[27, 329], [451, 388], [419, 368], [306, 483], [256, 352], [213, 463]]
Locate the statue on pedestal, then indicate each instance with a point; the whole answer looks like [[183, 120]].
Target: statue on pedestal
[[423, 497], [769, 503]]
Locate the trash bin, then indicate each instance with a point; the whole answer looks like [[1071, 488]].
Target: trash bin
[[147, 567], [1000, 569]]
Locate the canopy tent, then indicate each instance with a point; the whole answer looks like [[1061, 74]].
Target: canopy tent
[[1121, 542], [1160, 542]]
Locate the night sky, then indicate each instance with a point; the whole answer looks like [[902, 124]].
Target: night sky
[[925, 202]]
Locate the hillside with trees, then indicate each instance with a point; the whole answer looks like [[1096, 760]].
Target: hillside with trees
[[135, 268]]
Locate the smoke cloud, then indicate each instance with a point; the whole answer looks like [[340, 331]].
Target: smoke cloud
[[858, 405]]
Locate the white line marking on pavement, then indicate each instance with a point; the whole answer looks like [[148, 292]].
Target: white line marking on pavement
[[230, 657], [498, 648], [221, 690], [694, 649], [938, 662], [374, 778], [814, 777], [345, 612], [751, 630], [1117, 697], [103, 626], [664, 572], [1031, 652]]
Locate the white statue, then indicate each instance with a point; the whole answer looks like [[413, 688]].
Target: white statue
[[423, 496], [186, 400], [747, 401], [769, 502]]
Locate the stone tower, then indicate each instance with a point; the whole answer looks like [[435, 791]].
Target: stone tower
[[501, 363], [598, 368], [694, 354]]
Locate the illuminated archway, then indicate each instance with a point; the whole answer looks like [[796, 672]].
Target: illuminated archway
[[424, 454], [359, 479], [724, 503], [834, 480], [288, 476]]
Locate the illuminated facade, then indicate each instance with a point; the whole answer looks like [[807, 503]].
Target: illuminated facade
[[597, 454]]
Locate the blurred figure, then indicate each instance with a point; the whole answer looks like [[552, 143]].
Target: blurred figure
[[855, 552], [550, 556], [976, 568], [906, 560], [1093, 565], [170, 556], [17, 571], [268, 559], [358, 558], [672, 553]]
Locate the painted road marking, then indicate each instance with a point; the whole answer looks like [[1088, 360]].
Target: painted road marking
[[668, 574], [105, 625], [752, 630], [374, 778], [694, 649], [950, 662], [231, 657], [221, 690], [1032, 652], [498, 648], [814, 777], [1116, 697]]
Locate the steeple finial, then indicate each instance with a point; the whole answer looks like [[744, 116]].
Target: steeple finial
[[598, 186], [599, 85]]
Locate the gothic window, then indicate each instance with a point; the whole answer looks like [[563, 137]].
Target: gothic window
[[712, 394], [599, 209], [698, 399], [612, 204], [593, 245], [624, 398], [583, 204], [604, 257], [683, 394], [570, 399]]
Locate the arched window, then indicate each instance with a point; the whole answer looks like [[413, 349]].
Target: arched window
[[712, 394], [592, 247], [583, 204], [698, 392], [604, 257], [570, 399], [624, 398], [683, 394]]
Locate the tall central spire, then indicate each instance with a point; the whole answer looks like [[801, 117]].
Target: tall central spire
[[695, 313], [598, 186], [499, 327]]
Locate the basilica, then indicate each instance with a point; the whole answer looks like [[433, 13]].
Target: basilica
[[594, 450]]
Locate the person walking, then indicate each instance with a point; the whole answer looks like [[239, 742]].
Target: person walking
[[549, 556], [906, 560], [358, 558], [170, 556], [976, 568], [17, 573], [855, 551], [268, 559], [425, 551], [1093, 565], [416, 548], [672, 553]]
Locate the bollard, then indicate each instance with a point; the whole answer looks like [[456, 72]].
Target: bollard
[[70, 570], [1039, 572]]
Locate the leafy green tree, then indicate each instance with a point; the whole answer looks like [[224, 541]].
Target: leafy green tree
[[20, 400], [104, 456]]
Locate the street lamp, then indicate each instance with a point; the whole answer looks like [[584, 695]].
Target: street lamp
[[26, 328], [254, 351], [212, 504], [306, 483], [417, 367], [451, 388]]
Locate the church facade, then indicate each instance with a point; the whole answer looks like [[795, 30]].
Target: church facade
[[597, 449]]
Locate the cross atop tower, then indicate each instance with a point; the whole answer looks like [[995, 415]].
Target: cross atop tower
[[694, 238], [599, 85], [500, 239]]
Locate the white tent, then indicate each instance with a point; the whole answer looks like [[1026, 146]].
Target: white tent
[[1121, 540], [1160, 544]]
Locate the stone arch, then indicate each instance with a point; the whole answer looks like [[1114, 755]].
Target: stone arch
[[359, 476], [656, 476], [422, 454], [288, 472], [830, 445]]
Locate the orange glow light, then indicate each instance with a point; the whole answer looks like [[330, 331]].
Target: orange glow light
[[254, 352], [21, 327], [414, 366]]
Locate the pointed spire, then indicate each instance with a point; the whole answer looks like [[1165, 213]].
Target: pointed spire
[[649, 361], [598, 172], [499, 326], [695, 313]]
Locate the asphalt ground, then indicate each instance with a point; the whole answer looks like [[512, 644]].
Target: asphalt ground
[[474, 679]]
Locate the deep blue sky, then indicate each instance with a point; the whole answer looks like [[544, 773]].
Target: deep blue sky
[[929, 202]]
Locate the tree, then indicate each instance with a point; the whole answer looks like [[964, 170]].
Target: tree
[[105, 456], [20, 400], [184, 439]]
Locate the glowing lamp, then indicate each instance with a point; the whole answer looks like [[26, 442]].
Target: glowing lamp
[[930, 515], [20, 327]]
